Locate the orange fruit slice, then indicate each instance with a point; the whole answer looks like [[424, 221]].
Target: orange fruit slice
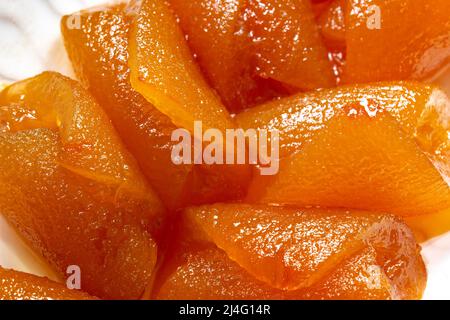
[[382, 147], [383, 45], [332, 25], [280, 253], [99, 54], [163, 70], [211, 31], [211, 275], [16, 285], [249, 50], [72, 190]]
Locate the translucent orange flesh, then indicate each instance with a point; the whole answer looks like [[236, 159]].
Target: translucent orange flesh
[[412, 40], [76, 194], [16, 285], [99, 54], [381, 147], [249, 49], [211, 275], [290, 50], [163, 70], [210, 29], [279, 253], [72, 190]]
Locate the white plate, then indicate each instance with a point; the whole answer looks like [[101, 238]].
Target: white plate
[[30, 42]]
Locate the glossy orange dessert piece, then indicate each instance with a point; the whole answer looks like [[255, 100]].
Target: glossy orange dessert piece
[[216, 36], [98, 51], [210, 275], [249, 50], [15, 285], [164, 71], [396, 40], [287, 43], [382, 148], [99, 54], [72, 190], [236, 251]]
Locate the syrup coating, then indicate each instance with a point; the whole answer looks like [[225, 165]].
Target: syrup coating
[[165, 73], [268, 252], [211, 275], [252, 51], [332, 25], [72, 190], [16, 285], [99, 54], [396, 40], [382, 147]]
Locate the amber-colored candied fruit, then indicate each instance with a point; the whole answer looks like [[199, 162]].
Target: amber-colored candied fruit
[[426, 227], [263, 252], [378, 147], [288, 44], [99, 55], [164, 71], [71, 189], [396, 40], [92, 175], [16, 285], [249, 50], [212, 34]]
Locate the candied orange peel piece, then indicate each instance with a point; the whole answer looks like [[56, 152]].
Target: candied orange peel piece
[[99, 55], [263, 252], [71, 188], [377, 147], [15, 285], [383, 45], [253, 51], [364, 169], [163, 70]]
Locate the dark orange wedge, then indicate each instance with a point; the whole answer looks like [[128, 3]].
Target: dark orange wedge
[[252, 51]]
